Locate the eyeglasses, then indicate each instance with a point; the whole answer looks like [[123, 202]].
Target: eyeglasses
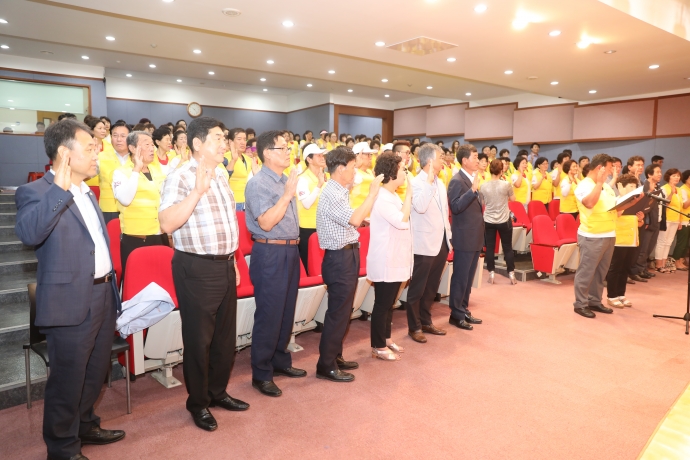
[[282, 149], [252, 149]]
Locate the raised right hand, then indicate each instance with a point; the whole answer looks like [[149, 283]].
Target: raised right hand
[[291, 185], [601, 176], [375, 186], [475, 183], [203, 177], [138, 160], [429, 177], [321, 178], [63, 174]]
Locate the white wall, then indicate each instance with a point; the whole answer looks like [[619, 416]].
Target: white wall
[[305, 99], [43, 65]]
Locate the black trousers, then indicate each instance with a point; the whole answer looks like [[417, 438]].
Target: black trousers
[[340, 270], [647, 245], [382, 314], [129, 243], [108, 216], [464, 266], [207, 297], [274, 271], [505, 230], [304, 234], [79, 358], [574, 214], [623, 258], [426, 277]]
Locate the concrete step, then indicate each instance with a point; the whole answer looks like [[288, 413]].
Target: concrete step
[[8, 207], [8, 218], [7, 231], [12, 244], [17, 262], [14, 321], [7, 197], [13, 287]]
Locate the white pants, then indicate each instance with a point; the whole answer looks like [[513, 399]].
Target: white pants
[[663, 243]]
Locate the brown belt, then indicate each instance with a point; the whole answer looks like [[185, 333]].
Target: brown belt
[[283, 242], [103, 279]]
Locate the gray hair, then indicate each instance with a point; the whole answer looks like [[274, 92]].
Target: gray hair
[[133, 138], [427, 153]]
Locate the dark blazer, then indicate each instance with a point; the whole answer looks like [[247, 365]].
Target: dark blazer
[[467, 224], [48, 218]]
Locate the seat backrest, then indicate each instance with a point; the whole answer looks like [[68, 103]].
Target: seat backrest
[[566, 226], [96, 191], [543, 231], [35, 335], [302, 270], [315, 257], [536, 208], [554, 209], [114, 233], [518, 210], [364, 235], [151, 264], [246, 242], [246, 288]]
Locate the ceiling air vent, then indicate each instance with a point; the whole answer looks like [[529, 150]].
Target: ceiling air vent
[[232, 12], [422, 46]]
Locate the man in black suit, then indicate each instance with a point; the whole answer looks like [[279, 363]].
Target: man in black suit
[[467, 228], [76, 294]]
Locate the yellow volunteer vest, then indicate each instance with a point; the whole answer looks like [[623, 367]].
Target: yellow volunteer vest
[[95, 181], [307, 217], [108, 163], [626, 231], [414, 167], [446, 175], [569, 203], [598, 219], [157, 160], [360, 191], [685, 210], [171, 155], [544, 191], [141, 216], [522, 192], [330, 146], [557, 188], [483, 177], [238, 180], [676, 203], [321, 143]]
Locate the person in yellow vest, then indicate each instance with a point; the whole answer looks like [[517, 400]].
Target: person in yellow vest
[[542, 184], [484, 176], [568, 185], [505, 176], [363, 174], [307, 138], [106, 121], [584, 161], [241, 165], [251, 134], [521, 186], [309, 187], [683, 235], [332, 141], [322, 141], [137, 189], [625, 252], [180, 153], [108, 162], [671, 192], [100, 133], [402, 149], [162, 141], [557, 174], [596, 236]]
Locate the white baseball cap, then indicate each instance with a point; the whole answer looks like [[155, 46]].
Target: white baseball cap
[[312, 149], [388, 146], [363, 147], [323, 132]]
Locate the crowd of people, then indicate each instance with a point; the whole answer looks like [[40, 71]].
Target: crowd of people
[[420, 201]]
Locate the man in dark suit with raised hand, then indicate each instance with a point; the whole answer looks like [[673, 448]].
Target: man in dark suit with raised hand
[[467, 228], [76, 293]]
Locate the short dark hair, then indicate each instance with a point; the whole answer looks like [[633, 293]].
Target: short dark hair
[[63, 132], [626, 179], [120, 124], [500, 154], [266, 140], [553, 163], [585, 157], [649, 170], [103, 117], [496, 167], [180, 120], [522, 152], [464, 151], [387, 164], [62, 116], [486, 147], [159, 133], [519, 160], [562, 155], [656, 158], [585, 169], [493, 147], [569, 152], [567, 165], [600, 159], [685, 176], [340, 156], [93, 122], [483, 156], [398, 146], [143, 121], [235, 131], [540, 160], [533, 144], [617, 160], [635, 158], [669, 173], [199, 128], [177, 135], [249, 131]]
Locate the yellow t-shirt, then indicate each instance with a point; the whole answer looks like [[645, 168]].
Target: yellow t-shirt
[[141, 216], [240, 175], [360, 191], [676, 203], [545, 190]]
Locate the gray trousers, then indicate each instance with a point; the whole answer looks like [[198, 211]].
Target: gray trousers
[[595, 258]]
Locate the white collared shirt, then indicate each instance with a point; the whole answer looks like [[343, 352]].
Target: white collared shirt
[[93, 225], [470, 176]]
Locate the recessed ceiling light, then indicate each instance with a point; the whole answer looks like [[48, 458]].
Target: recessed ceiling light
[[265, 89], [468, 94], [582, 44], [429, 87], [654, 66], [262, 79], [520, 23], [309, 85], [270, 61], [480, 8], [12, 108], [687, 78], [128, 75], [380, 43], [196, 51], [67, 105], [592, 91], [211, 72], [179, 80], [555, 33], [532, 77], [349, 90], [451, 59], [168, 1], [153, 66], [331, 72], [384, 80], [554, 83], [3, 21], [85, 57], [110, 38], [508, 72], [609, 52], [232, 12], [386, 95], [5, 47], [288, 23]]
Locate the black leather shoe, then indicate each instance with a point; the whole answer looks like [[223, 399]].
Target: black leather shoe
[[267, 387], [433, 330], [649, 274], [638, 278], [205, 420], [79, 456], [461, 324], [230, 403], [601, 308], [335, 376], [345, 365], [472, 320], [290, 372], [629, 281], [645, 275], [586, 312], [97, 435]]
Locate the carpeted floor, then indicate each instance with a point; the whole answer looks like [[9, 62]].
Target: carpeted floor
[[535, 381]]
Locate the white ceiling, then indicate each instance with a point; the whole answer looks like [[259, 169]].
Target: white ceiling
[[340, 36]]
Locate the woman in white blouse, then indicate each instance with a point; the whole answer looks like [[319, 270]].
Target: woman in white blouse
[[389, 261]]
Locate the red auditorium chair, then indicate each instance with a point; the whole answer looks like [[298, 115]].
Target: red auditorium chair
[[246, 242], [554, 209], [246, 304], [96, 190], [566, 227], [114, 235], [550, 253], [522, 236], [522, 218], [159, 347], [314, 263], [537, 208], [309, 296]]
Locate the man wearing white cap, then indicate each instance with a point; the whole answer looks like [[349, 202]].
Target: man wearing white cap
[[363, 174], [308, 190]]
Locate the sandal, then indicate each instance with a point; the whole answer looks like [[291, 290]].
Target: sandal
[[386, 355], [625, 301], [662, 270], [396, 348], [615, 302]]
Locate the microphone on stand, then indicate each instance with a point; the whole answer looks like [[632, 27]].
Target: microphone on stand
[[658, 198]]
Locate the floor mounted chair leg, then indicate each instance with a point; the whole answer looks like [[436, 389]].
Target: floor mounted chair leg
[[129, 400], [110, 375], [27, 367]]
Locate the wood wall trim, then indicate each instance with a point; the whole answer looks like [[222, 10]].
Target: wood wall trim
[[662, 136], [399, 136], [546, 106], [22, 134], [642, 99], [386, 117], [673, 95], [445, 135], [606, 139], [51, 74], [202, 105], [488, 138], [493, 105], [58, 83], [448, 105], [656, 113], [415, 107]]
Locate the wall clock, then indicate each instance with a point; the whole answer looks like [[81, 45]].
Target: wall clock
[[194, 109]]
